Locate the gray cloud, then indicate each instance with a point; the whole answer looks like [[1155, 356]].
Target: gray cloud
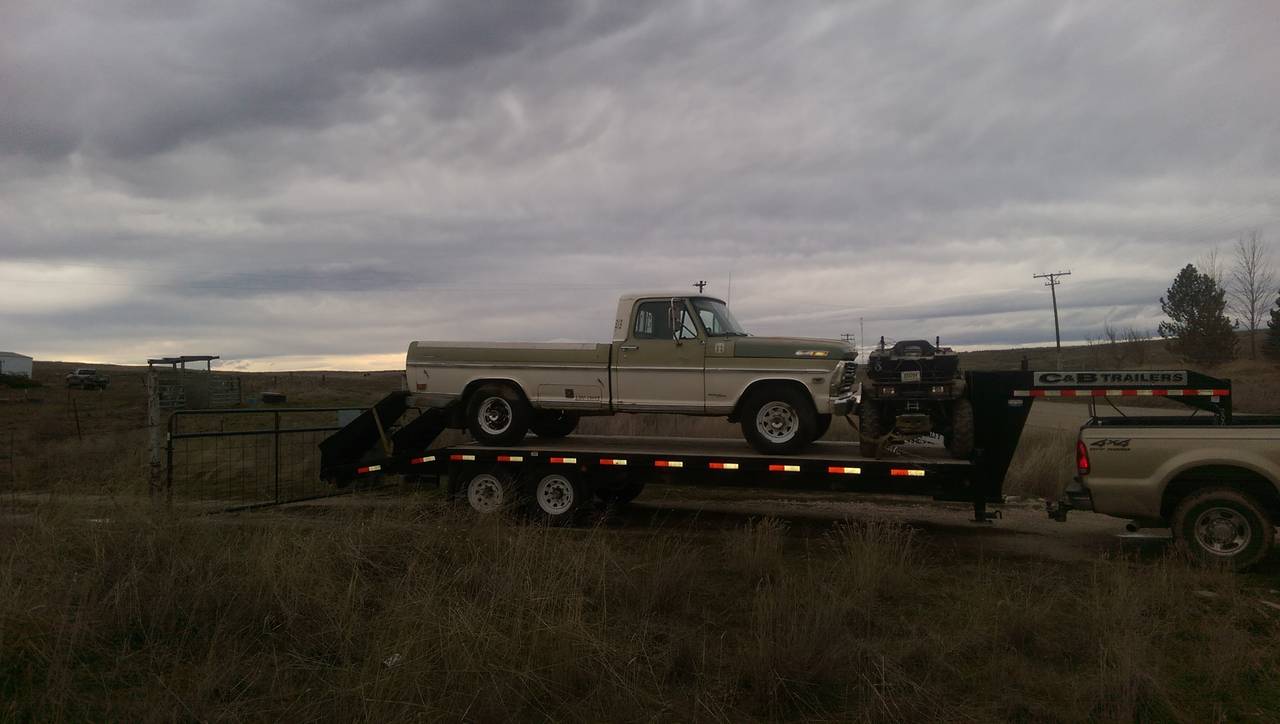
[[331, 179]]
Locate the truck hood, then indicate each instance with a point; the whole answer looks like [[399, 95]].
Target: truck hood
[[775, 347]]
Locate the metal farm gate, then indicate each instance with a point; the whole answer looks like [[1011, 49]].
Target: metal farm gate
[[233, 459]]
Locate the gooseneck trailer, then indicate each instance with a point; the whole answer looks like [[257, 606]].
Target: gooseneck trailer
[[556, 478]]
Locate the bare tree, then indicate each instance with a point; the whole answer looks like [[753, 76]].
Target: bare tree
[[1211, 266], [1252, 284]]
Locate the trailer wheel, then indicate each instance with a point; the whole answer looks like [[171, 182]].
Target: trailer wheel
[[778, 420], [497, 415], [491, 491], [553, 423], [869, 430], [960, 441], [558, 497], [1225, 527]]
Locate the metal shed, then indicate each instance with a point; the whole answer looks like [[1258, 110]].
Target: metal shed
[[12, 363]]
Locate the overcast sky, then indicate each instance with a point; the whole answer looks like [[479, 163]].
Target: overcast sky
[[315, 183]]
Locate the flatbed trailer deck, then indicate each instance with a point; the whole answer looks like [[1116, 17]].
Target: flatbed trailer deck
[[617, 467]]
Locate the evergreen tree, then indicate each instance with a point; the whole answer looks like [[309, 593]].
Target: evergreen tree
[[1198, 329], [1271, 347]]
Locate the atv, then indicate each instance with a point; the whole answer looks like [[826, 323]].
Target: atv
[[915, 389]]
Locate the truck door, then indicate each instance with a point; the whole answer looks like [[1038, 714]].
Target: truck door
[[659, 366]]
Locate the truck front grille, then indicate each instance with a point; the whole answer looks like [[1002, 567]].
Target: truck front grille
[[848, 379]]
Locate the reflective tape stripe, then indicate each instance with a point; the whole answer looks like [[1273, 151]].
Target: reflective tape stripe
[[419, 461], [462, 457], [723, 466], [370, 469], [510, 458], [837, 470], [612, 461], [1135, 392], [567, 461], [668, 463], [906, 472], [784, 468]]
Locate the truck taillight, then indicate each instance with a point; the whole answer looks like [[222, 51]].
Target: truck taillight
[[1082, 458]]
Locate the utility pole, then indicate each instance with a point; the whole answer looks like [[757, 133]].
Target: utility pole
[[700, 284], [862, 334], [1053, 282]]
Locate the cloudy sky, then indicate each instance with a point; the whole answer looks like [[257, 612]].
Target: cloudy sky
[[314, 183]]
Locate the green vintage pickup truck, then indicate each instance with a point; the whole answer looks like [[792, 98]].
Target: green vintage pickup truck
[[671, 353]]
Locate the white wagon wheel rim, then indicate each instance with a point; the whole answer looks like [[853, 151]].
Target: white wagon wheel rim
[[1222, 531], [495, 415], [486, 493], [555, 494], [778, 422]]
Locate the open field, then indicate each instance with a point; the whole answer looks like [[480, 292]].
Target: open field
[[694, 604]]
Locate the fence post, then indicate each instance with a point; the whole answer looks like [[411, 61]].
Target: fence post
[[154, 433], [276, 467]]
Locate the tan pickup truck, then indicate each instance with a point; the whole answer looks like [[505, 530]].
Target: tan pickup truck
[[671, 353], [1214, 482]]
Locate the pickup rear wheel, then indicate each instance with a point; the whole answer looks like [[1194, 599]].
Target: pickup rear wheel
[[1223, 526], [778, 420], [554, 423], [497, 415]]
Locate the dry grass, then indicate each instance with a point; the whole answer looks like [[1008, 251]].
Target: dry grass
[[422, 614]]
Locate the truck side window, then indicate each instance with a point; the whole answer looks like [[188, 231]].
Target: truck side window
[[651, 321]]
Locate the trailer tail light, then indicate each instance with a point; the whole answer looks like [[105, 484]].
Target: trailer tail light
[[1082, 458]]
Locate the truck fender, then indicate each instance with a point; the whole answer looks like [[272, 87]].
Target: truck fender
[[760, 382], [1183, 467]]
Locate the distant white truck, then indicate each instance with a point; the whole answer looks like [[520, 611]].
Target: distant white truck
[[87, 379], [671, 353]]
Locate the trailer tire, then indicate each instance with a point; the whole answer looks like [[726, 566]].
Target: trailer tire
[[558, 497], [820, 428], [497, 415], [491, 490], [960, 441], [778, 420], [553, 423], [1223, 527], [869, 430]]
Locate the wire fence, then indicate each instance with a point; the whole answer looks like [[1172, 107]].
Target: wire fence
[[242, 458]]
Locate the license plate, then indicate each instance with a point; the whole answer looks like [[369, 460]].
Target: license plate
[[911, 376]]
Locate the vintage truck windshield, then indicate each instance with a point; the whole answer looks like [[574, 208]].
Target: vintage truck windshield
[[717, 319]]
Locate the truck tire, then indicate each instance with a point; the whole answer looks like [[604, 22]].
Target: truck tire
[[558, 497], [497, 415], [778, 420], [553, 423], [823, 424], [869, 429], [960, 441], [491, 490], [1225, 527]]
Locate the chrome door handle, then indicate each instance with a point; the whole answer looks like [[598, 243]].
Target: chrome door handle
[[629, 347]]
